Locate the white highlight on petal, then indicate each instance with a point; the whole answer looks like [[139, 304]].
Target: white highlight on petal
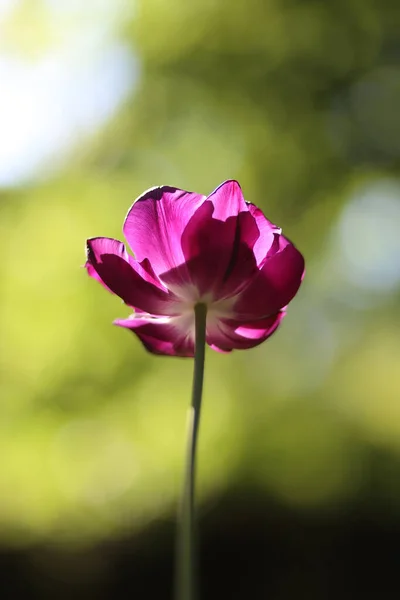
[[147, 317], [182, 317]]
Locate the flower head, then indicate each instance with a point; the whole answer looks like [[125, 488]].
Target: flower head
[[217, 250]]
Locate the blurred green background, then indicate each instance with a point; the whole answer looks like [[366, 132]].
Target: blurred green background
[[100, 100]]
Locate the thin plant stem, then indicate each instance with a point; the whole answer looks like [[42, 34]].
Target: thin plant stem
[[186, 585]]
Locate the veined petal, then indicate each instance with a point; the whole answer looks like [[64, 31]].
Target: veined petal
[[161, 335], [274, 286], [155, 223], [267, 231], [109, 263], [231, 334], [227, 200], [207, 245], [218, 253], [143, 269], [243, 265]]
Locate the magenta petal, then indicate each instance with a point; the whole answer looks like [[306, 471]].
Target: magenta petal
[[218, 253], [258, 331], [228, 200], [274, 286], [160, 336], [214, 347], [93, 273], [243, 266], [230, 334], [155, 223], [143, 269], [108, 259], [207, 245], [267, 230]]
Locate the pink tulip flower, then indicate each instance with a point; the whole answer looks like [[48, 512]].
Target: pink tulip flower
[[218, 250]]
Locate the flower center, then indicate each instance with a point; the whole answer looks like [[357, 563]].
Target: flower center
[[216, 309]]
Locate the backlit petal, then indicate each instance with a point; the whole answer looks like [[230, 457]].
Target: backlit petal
[[160, 335], [122, 275], [274, 286], [155, 223], [227, 200], [230, 334], [93, 273], [267, 231], [219, 253]]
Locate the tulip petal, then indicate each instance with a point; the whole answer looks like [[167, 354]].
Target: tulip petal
[[207, 245], [218, 253], [243, 265], [228, 200], [144, 269], [109, 263], [267, 230], [164, 336], [212, 236], [230, 334], [214, 347], [274, 285], [154, 225], [94, 274]]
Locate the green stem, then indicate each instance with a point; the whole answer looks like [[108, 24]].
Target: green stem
[[186, 564]]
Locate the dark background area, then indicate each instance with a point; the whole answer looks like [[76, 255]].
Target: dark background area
[[249, 548]]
